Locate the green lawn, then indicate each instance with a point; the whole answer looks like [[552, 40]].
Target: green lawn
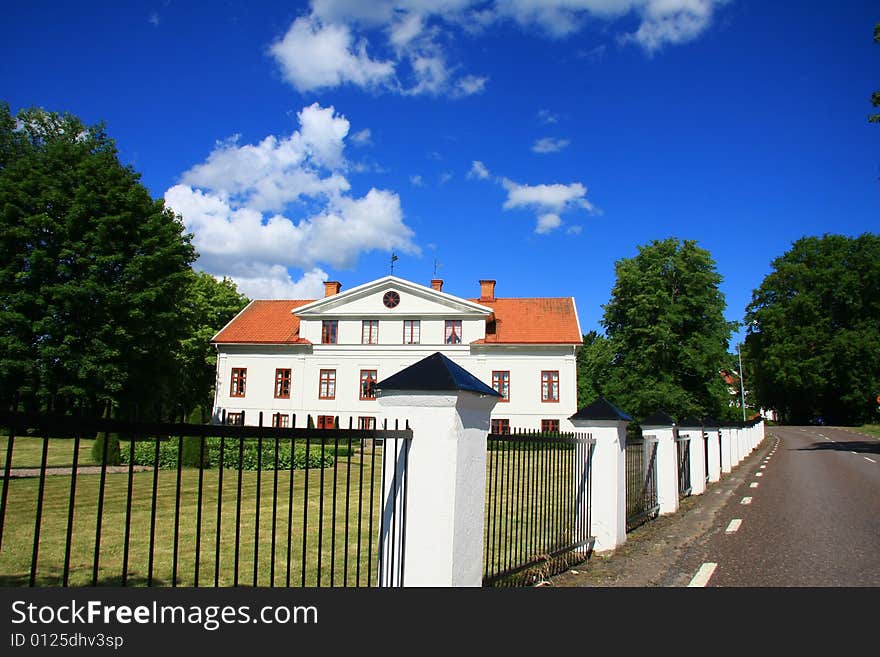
[[321, 530], [27, 452], [873, 429]]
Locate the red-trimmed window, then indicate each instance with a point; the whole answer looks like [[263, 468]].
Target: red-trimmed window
[[280, 420], [329, 331], [370, 331], [235, 418], [282, 383], [239, 382], [550, 386], [326, 422], [368, 384], [453, 331], [550, 426], [366, 423], [327, 385], [501, 426], [412, 329], [501, 384]]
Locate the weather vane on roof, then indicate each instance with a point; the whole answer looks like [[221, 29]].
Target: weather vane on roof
[[393, 258], [437, 266]]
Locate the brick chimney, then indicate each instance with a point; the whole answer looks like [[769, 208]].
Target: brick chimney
[[331, 288], [437, 284], [487, 290]]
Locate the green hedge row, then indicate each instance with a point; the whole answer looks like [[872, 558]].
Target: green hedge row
[[234, 458]]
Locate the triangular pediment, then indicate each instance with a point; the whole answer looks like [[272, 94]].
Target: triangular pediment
[[414, 300]]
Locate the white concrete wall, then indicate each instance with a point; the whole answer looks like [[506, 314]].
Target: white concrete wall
[[667, 467]]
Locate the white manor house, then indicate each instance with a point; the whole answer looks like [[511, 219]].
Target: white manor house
[[323, 358]]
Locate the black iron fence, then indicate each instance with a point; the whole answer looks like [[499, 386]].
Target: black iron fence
[[109, 502], [537, 517], [683, 452], [641, 481]]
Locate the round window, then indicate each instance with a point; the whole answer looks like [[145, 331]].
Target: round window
[[391, 299]]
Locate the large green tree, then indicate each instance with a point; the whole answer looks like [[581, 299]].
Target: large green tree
[[666, 332], [209, 305], [92, 271], [813, 338]]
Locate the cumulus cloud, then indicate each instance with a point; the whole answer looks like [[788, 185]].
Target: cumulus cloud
[[416, 181], [478, 170], [549, 145], [362, 137], [546, 116], [313, 56], [258, 209], [548, 202], [336, 42]]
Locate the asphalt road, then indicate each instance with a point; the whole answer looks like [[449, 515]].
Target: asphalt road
[[808, 512], [812, 520]]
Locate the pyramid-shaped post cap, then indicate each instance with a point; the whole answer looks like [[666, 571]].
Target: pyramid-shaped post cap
[[601, 409], [658, 419], [435, 373], [690, 422]]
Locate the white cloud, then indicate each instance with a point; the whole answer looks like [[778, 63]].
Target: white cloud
[[445, 177], [548, 202], [553, 197], [362, 137], [329, 46], [416, 181], [313, 56], [546, 116], [277, 171], [574, 230], [238, 205], [549, 145], [547, 223], [153, 19], [478, 170]]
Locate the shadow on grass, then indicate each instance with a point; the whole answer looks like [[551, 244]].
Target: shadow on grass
[[54, 580]]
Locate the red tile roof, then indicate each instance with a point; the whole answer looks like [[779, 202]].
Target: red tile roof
[[532, 321], [265, 322], [513, 321]]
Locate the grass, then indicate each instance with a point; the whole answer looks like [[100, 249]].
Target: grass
[[317, 527], [27, 452], [872, 429]]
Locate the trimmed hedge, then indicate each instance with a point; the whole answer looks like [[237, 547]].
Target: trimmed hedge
[[251, 455]]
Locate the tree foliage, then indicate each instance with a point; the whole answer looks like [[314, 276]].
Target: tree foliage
[[92, 270], [814, 331], [208, 306], [666, 334]]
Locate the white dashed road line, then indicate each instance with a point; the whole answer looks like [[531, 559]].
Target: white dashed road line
[[754, 484], [746, 500], [867, 459], [733, 526], [703, 574]]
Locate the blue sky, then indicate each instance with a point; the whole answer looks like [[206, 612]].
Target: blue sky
[[532, 142]]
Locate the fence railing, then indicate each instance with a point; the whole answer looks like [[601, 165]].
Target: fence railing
[[683, 452], [537, 516], [641, 481], [191, 505]]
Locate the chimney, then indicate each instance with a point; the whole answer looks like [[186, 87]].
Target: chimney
[[331, 288], [487, 290], [437, 284]]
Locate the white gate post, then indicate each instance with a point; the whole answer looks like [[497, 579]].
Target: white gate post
[[662, 427], [607, 425], [448, 411], [712, 431], [692, 429]]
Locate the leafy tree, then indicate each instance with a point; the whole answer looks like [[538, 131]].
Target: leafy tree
[[875, 97], [667, 332], [593, 367], [814, 331], [92, 271], [208, 306]]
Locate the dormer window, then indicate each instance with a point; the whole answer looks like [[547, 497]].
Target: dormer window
[[453, 331]]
